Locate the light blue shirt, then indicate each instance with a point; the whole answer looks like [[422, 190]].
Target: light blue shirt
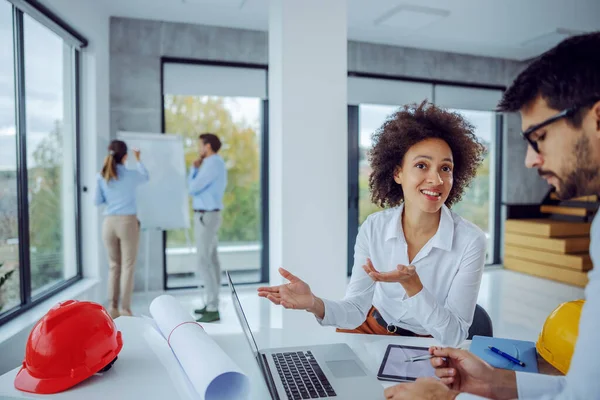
[[207, 184], [581, 382], [119, 195]]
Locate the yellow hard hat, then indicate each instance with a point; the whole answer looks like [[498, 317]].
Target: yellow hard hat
[[556, 342]]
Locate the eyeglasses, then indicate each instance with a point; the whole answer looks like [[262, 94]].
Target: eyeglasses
[[569, 112]]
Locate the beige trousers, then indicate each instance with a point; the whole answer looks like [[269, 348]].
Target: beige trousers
[[121, 236]]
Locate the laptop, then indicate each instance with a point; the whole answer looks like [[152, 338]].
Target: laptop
[[310, 372]]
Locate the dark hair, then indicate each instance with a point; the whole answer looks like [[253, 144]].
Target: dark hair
[[409, 126], [117, 149], [565, 76], [212, 139]]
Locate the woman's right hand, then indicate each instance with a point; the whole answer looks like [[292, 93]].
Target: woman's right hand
[[296, 294], [137, 154]]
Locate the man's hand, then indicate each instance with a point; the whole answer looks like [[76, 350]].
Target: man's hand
[[198, 162], [422, 389], [404, 275], [465, 372]]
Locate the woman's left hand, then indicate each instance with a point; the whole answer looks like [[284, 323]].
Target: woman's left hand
[[405, 275]]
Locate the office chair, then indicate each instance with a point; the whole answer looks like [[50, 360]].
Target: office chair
[[482, 324]]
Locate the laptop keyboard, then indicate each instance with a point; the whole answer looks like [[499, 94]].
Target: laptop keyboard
[[302, 376]]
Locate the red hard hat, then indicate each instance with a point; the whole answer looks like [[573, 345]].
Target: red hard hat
[[72, 342]]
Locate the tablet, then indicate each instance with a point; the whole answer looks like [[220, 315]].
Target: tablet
[[395, 368]]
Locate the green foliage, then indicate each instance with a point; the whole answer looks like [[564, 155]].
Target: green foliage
[[45, 214], [4, 278], [8, 206], [45, 223], [474, 205], [365, 206], [190, 116]]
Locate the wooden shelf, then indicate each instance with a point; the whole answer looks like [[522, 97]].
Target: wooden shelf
[[573, 211], [591, 199], [563, 275], [554, 245], [577, 262], [547, 228]]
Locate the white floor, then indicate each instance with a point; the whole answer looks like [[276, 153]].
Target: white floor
[[518, 304]]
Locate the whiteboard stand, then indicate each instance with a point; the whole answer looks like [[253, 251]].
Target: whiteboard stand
[[147, 264], [147, 232]]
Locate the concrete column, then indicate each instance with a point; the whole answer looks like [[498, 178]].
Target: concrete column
[[308, 144]]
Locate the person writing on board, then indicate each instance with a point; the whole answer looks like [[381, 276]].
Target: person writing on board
[[206, 183], [417, 265], [116, 189]]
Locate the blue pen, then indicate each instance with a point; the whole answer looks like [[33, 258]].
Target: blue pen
[[507, 356]]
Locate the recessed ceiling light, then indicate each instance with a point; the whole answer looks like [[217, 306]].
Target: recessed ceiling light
[[550, 39], [411, 17], [224, 3]]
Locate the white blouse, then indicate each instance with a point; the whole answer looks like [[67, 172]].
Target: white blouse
[[450, 266]]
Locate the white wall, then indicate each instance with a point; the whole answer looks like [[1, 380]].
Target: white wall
[[308, 143]]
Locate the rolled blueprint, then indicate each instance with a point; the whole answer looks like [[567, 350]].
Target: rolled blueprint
[[212, 373]]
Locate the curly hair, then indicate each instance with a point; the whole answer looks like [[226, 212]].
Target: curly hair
[[409, 126]]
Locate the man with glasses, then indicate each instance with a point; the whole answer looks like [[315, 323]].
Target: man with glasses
[[558, 96]]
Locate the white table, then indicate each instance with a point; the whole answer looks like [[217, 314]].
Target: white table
[[147, 369]]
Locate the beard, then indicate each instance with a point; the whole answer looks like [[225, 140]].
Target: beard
[[584, 177]]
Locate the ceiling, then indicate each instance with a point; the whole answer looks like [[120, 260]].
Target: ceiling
[[513, 29]]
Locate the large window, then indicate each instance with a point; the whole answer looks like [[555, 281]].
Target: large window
[[374, 100], [39, 223], [238, 121], [370, 117], [50, 156], [477, 204]]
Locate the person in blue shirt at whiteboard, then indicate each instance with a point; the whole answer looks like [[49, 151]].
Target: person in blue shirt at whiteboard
[[115, 188], [206, 183]]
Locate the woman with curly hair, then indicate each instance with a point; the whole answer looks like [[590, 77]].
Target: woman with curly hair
[[417, 265]]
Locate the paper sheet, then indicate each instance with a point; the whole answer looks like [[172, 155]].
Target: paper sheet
[[210, 370], [158, 345]]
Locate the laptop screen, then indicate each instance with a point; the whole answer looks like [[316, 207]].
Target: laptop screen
[[242, 317], [250, 338]]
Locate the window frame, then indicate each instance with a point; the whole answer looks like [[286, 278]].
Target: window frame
[[353, 164], [76, 42], [264, 163]]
